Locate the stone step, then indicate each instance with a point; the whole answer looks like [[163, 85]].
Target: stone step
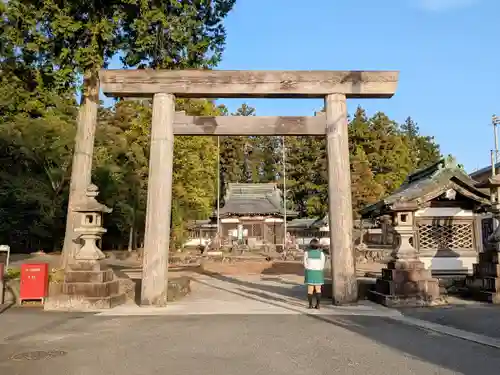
[[486, 269], [404, 275], [78, 303], [481, 295], [489, 257], [405, 301], [91, 290], [483, 283], [409, 288], [101, 276]]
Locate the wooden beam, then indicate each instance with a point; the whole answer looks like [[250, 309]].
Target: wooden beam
[[345, 287], [249, 84], [249, 125]]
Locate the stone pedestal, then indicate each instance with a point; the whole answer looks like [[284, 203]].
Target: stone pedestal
[[484, 284], [87, 287], [406, 284], [405, 281]]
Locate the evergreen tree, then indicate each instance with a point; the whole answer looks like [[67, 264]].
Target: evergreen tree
[[423, 149], [365, 190]]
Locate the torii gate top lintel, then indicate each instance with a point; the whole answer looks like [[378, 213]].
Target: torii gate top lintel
[[248, 84]]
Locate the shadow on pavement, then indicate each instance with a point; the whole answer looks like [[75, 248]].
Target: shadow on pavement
[[460, 356], [479, 318]]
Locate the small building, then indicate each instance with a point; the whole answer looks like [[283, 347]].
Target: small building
[[450, 226], [483, 174], [305, 229], [200, 232], [256, 210]]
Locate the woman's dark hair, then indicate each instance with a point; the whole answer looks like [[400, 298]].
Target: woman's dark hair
[[314, 244]]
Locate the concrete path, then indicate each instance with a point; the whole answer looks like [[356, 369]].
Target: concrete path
[[247, 295], [283, 295]]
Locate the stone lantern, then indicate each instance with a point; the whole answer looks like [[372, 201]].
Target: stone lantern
[[90, 229], [484, 283], [402, 224], [405, 281], [493, 184]]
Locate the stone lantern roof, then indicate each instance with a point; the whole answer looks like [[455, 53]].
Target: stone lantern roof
[[90, 204]]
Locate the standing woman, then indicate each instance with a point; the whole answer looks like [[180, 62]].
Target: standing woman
[[314, 264]]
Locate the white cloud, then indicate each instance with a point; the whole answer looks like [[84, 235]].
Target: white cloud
[[443, 5]]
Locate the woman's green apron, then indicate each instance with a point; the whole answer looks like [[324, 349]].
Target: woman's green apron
[[314, 277]]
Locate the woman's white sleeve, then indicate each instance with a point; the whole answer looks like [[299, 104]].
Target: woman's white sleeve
[[305, 259]]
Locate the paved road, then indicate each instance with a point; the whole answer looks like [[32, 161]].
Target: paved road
[[234, 344], [483, 319], [229, 327]]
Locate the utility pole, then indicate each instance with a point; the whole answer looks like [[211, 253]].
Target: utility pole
[[495, 121], [495, 198], [218, 187], [284, 190]]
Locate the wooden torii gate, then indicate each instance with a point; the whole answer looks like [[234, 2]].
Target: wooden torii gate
[[164, 85]]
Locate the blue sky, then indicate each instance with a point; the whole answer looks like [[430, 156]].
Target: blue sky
[[447, 52]]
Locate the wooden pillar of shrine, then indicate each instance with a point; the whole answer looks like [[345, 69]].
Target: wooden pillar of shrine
[[157, 233], [343, 267]]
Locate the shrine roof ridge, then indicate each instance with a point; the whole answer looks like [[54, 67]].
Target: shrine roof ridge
[[249, 84], [426, 184]]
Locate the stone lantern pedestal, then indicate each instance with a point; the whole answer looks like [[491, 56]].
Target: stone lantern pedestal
[[405, 281], [88, 284], [484, 284]]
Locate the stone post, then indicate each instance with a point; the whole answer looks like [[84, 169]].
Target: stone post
[[344, 282], [405, 281], [484, 283], [157, 233]]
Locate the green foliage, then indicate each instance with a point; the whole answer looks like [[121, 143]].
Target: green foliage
[[174, 34], [122, 157], [46, 48], [382, 154], [12, 274]]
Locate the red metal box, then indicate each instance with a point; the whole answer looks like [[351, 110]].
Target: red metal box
[[34, 282]]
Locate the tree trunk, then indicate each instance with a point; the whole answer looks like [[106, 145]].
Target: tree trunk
[[81, 170], [130, 238], [135, 240]]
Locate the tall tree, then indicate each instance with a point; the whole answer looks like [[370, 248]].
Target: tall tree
[[70, 39], [365, 190], [237, 154], [423, 149]]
